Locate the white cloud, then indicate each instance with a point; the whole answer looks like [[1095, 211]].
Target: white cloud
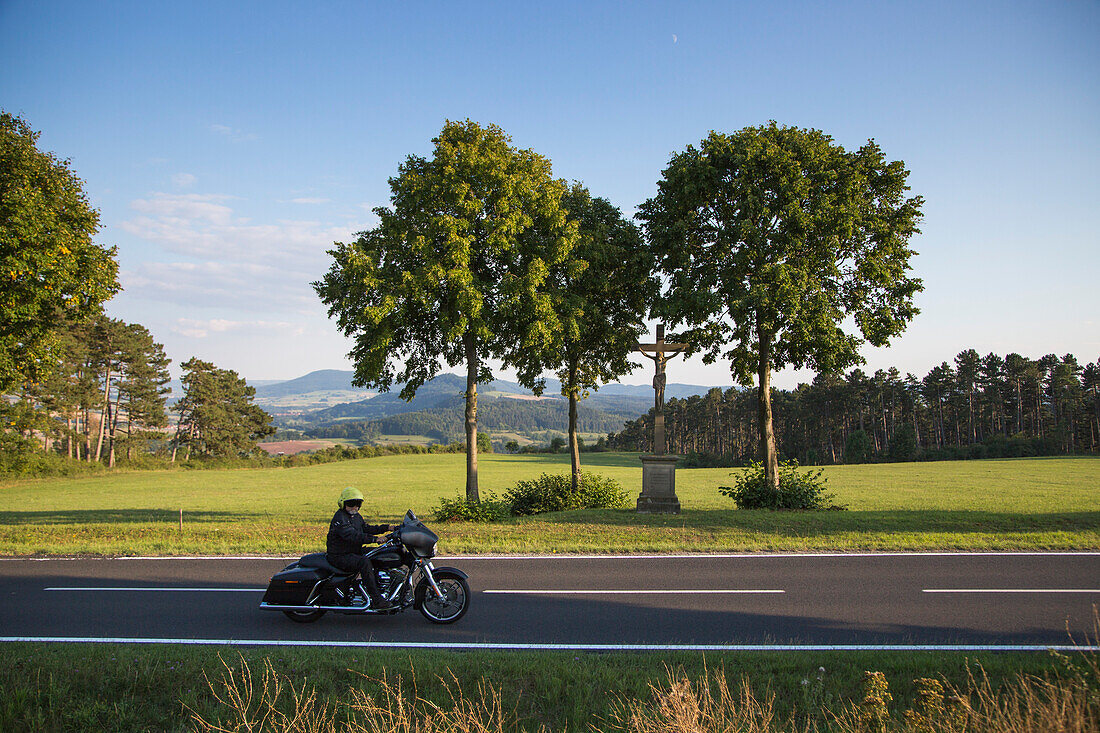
[[193, 328], [183, 180], [233, 134], [180, 208], [242, 286], [201, 226], [232, 262], [309, 201]]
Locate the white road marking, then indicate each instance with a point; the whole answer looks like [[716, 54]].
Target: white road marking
[[688, 556], [458, 645], [634, 591], [148, 588], [1011, 590], [528, 591]]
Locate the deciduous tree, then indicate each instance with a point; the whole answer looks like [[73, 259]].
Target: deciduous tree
[[606, 291], [456, 271], [772, 240], [50, 269]]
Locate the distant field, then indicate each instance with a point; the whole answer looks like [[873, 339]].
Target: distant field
[[404, 440], [1043, 504], [291, 447]]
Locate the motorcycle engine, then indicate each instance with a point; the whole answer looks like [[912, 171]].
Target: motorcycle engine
[[390, 579]]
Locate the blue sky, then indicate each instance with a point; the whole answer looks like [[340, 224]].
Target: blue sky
[[227, 145]]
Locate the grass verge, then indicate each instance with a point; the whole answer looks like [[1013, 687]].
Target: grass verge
[[129, 688], [1013, 504]]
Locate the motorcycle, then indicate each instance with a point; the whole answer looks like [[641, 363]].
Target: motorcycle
[[310, 586]]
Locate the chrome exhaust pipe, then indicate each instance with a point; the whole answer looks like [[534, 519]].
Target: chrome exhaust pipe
[[353, 609]]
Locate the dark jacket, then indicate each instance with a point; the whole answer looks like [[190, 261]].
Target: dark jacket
[[347, 533]]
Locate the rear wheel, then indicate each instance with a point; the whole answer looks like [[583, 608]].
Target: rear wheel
[[452, 606], [304, 617]]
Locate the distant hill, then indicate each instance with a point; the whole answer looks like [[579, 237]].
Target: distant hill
[[319, 381], [439, 392], [325, 403], [495, 415]]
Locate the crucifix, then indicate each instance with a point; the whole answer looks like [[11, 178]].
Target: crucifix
[[660, 352]]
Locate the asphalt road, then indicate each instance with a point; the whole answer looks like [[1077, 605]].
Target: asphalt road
[[847, 600]]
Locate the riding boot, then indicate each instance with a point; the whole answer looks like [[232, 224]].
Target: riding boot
[[370, 582]]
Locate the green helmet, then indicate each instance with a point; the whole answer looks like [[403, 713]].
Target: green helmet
[[348, 494]]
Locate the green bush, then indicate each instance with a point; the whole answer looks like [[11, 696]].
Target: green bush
[[460, 510], [857, 449], [903, 443], [554, 493], [796, 490], [22, 457]]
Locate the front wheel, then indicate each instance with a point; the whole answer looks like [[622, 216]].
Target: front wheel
[[304, 617], [452, 606]]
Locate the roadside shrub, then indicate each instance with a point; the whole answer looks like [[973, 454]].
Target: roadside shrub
[[554, 493], [24, 458], [796, 490], [857, 449], [903, 444], [458, 509]]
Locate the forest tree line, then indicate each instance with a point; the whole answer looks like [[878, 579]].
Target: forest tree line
[[74, 382], [107, 399], [973, 407]]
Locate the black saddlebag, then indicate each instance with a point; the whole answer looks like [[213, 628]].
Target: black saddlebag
[[291, 587]]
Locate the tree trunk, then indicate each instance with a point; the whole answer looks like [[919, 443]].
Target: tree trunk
[[87, 435], [111, 435], [103, 411], [190, 441], [574, 446], [129, 427], [471, 419], [764, 412], [176, 439]]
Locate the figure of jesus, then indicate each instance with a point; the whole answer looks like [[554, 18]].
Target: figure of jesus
[[660, 353], [659, 385]]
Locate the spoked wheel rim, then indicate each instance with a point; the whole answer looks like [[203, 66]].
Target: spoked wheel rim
[[449, 608]]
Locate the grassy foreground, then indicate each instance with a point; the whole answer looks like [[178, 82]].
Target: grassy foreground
[[127, 688], [1013, 504]]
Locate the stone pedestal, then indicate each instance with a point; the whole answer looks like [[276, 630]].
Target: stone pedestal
[[659, 485]]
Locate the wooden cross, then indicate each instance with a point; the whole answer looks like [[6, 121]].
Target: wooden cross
[[660, 352]]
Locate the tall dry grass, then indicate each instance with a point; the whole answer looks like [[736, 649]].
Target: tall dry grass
[[1065, 701], [271, 703], [683, 706]]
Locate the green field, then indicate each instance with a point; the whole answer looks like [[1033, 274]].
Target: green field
[[1025, 504], [1045, 504]]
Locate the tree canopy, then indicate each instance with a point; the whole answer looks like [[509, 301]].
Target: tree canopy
[[457, 270], [605, 301], [216, 414], [772, 240], [50, 269]]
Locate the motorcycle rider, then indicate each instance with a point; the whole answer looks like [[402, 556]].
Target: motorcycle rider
[[347, 533]]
